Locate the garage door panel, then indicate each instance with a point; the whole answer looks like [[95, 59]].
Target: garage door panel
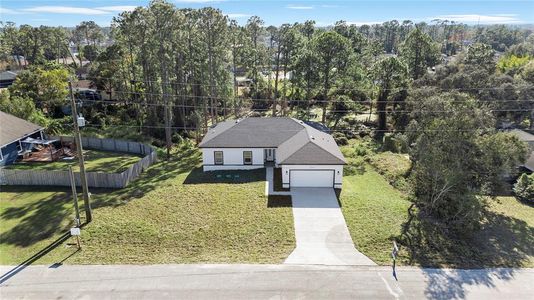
[[311, 178]]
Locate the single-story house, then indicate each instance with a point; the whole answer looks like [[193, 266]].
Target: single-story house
[[529, 139], [308, 157], [12, 131]]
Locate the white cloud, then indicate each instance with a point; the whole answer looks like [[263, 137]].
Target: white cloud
[[299, 7], [329, 5], [66, 10], [117, 8], [8, 11], [237, 16], [482, 19]]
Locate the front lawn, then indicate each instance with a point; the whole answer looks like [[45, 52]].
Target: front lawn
[[174, 213], [95, 161], [374, 212]]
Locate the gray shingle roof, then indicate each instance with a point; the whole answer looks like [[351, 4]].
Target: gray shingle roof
[[296, 142], [529, 164], [13, 128], [523, 135], [8, 75]]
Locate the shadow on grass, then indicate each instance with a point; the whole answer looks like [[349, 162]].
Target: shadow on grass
[[35, 257], [503, 242], [198, 176], [279, 201], [40, 219], [149, 180]]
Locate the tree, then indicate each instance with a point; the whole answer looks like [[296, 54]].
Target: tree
[[419, 52], [524, 187], [22, 107], [255, 30], [480, 56], [47, 87], [390, 75], [447, 188], [340, 108], [87, 33], [332, 50]]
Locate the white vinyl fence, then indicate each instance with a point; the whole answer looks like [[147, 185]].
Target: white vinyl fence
[[94, 179]]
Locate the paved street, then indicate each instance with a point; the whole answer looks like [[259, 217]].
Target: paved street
[[320, 230], [263, 282]]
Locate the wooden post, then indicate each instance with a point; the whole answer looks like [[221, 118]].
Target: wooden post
[[74, 196], [79, 149]]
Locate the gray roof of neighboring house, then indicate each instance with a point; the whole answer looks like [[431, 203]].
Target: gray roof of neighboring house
[[527, 138], [8, 75], [296, 142], [523, 135], [529, 164], [13, 128]]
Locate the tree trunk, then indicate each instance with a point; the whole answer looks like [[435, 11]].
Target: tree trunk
[[381, 107], [278, 52]]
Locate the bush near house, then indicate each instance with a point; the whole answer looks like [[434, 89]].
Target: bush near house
[[524, 188]]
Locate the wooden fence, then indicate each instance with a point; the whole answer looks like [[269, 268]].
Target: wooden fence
[[94, 179]]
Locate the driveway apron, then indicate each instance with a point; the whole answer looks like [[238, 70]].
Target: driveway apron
[[321, 232]]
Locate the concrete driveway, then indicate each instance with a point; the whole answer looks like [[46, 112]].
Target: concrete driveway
[[321, 232]]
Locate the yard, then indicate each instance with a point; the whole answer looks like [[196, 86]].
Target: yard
[[375, 212], [174, 213], [95, 161]]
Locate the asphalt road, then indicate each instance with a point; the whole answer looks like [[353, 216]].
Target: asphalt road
[[262, 282]]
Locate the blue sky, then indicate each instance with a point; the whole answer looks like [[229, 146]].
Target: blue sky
[[72, 12]]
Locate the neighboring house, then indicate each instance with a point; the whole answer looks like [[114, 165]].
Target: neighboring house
[[307, 156], [529, 139], [7, 78], [12, 131]]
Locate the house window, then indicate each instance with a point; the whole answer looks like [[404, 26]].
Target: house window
[[219, 160], [247, 157]]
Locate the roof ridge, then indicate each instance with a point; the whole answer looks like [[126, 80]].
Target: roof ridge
[[321, 148]]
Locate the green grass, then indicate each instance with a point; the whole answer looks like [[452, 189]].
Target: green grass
[[374, 212], [95, 161], [174, 213]]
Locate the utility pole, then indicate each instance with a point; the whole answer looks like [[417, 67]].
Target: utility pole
[[74, 196], [79, 150]]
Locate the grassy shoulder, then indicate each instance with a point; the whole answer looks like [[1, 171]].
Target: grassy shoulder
[[174, 213], [95, 161]]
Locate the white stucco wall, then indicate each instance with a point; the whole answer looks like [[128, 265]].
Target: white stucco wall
[[338, 172], [232, 159]]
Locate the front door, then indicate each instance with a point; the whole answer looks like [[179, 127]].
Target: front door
[[269, 154]]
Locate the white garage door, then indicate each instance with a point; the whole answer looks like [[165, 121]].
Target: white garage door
[[311, 178]]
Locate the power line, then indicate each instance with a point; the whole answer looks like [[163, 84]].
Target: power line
[[126, 80], [174, 96], [268, 109], [336, 130]]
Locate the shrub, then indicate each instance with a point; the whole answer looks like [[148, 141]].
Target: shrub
[[389, 143], [340, 138], [396, 143], [524, 188]]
